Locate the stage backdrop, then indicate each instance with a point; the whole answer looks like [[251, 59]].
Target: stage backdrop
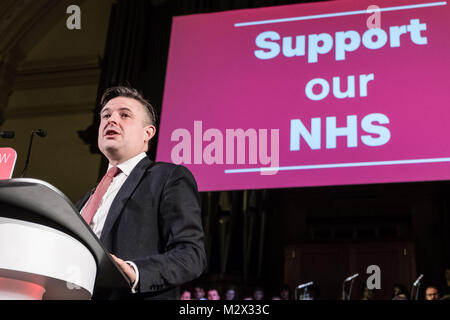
[[333, 93]]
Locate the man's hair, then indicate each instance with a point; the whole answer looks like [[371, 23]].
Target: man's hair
[[431, 286], [127, 92]]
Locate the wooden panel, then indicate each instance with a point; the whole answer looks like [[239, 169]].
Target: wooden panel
[[394, 260], [328, 264]]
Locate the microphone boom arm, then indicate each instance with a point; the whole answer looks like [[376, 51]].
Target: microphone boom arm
[[39, 132]]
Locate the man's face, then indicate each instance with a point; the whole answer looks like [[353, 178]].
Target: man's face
[[199, 293], [284, 294], [258, 295], [124, 130], [431, 294], [186, 295], [230, 294], [213, 295]]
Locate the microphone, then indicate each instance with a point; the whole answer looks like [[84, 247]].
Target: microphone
[[7, 134], [346, 296], [301, 286], [351, 277], [418, 280], [415, 288], [41, 133]]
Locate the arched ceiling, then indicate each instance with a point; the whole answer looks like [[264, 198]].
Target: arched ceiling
[[22, 24]]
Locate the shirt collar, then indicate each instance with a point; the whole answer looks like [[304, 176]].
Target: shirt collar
[[128, 166]]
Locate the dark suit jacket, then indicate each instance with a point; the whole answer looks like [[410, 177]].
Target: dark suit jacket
[[155, 221]]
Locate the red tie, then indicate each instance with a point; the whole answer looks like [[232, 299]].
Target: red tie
[[94, 201]]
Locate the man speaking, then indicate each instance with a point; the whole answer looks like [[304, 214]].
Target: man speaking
[[147, 214]]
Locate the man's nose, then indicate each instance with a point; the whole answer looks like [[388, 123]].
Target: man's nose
[[113, 118]]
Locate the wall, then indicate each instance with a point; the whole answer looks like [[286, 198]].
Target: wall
[[55, 89]]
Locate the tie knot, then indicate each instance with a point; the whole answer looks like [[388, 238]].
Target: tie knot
[[114, 171]]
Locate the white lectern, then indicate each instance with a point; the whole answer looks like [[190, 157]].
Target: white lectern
[[47, 251]]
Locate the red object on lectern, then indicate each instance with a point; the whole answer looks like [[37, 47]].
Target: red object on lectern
[[8, 157]]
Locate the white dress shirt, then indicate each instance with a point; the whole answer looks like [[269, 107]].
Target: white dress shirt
[[99, 219]]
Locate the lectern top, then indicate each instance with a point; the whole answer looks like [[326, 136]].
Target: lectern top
[[43, 203]]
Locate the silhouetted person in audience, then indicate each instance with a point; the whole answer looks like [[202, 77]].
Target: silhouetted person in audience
[[400, 292], [285, 292], [258, 293], [446, 285], [367, 294], [231, 293]]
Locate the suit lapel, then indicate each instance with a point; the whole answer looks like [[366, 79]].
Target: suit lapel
[[80, 204], [123, 195]]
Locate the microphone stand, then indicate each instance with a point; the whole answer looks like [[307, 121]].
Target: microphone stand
[[415, 288], [350, 290], [302, 286], [40, 133], [346, 296]]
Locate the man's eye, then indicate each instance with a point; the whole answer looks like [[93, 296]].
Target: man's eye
[[125, 115], [105, 116]]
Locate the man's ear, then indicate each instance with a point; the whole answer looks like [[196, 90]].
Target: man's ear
[[150, 132]]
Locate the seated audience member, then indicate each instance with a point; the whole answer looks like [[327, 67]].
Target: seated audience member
[[185, 295], [213, 294], [368, 294], [400, 296], [285, 292], [446, 285], [199, 293], [231, 293], [400, 292], [432, 293], [258, 293]]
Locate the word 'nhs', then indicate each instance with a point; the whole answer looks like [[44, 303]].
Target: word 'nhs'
[[371, 123]]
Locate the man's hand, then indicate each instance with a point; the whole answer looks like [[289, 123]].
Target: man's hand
[[129, 271]]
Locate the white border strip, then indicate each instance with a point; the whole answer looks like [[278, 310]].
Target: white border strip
[[339, 165], [339, 14]]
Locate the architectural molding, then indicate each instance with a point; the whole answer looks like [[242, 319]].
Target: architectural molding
[[48, 110], [58, 73]]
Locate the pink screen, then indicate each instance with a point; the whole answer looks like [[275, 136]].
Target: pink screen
[[329, 93]]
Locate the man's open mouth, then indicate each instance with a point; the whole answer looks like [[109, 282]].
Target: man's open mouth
[[111, 132]]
